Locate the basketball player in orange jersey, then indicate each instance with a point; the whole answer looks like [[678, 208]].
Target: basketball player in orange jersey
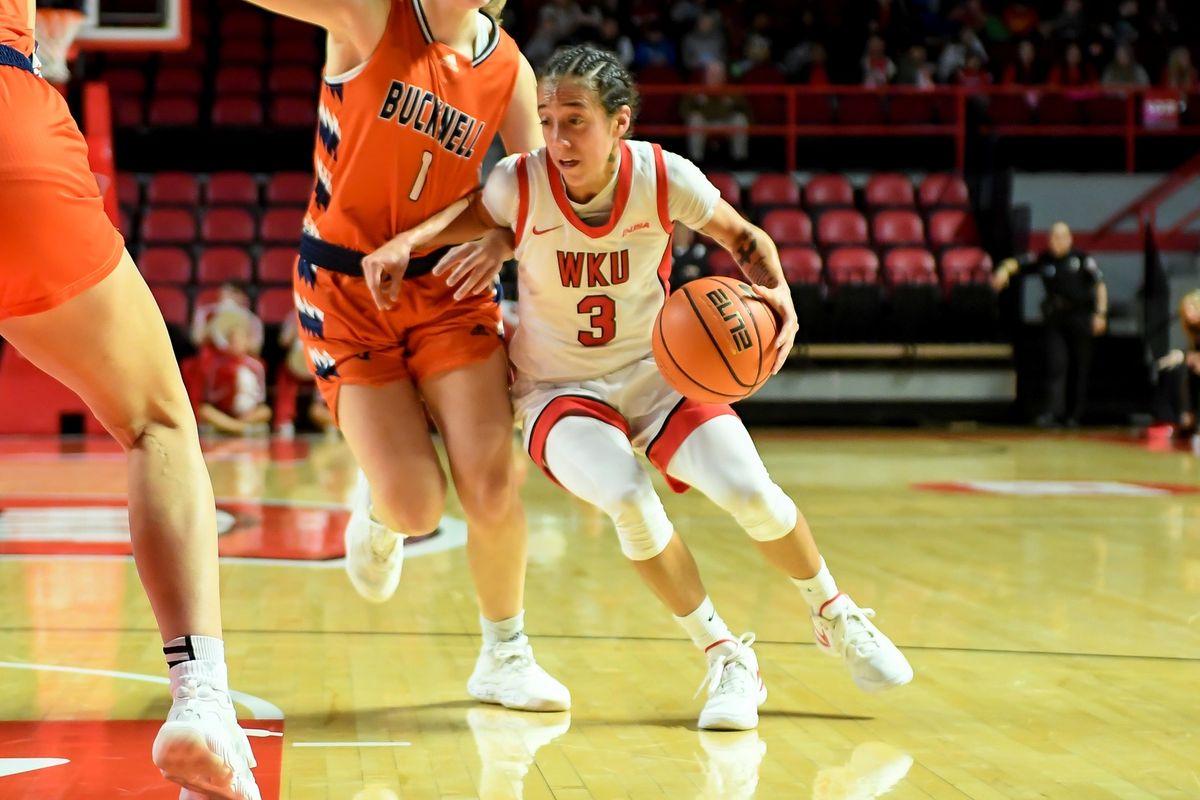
[[413, 93], [72, 301], [592, 216]]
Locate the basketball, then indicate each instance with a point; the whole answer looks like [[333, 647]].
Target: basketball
[[712, 340]]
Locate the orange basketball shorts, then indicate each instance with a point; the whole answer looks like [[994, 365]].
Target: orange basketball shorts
[[348, 340], [55, 238]]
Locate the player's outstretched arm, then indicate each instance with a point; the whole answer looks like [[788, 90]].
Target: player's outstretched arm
[[384, 268], [758, 258]]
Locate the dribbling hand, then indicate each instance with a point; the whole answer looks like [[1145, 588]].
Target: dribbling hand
[[384, 271], [780, 301]]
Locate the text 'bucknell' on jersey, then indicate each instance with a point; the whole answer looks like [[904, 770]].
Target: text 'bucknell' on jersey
[[426, 113]]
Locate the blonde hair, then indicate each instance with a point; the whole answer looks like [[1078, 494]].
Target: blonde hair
[[1192, 298], [230, 320], [495, 8]]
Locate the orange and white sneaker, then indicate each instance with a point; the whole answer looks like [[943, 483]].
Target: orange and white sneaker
[[844, 630], [735, 687], [201, 746]]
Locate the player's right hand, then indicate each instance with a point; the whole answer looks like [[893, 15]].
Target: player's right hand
[[384, 271], [472, 268]]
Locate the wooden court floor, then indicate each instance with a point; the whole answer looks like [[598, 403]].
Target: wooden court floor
[[1046, 589]]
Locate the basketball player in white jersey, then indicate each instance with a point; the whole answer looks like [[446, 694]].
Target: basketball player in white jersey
[[592, 216]]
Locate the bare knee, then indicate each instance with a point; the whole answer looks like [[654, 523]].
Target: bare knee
[[411, 509], [488, 497], [165, 422]]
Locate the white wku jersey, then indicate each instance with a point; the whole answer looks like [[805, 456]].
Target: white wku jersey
[[589, 294]]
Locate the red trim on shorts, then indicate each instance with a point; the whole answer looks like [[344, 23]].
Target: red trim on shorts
[[522, 197], [662, 187], [687, 416], [624, 180], [569, 405]]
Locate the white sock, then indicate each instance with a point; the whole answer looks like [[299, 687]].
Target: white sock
[[504, 630], [194, 648], [705, 626], [820, 591]]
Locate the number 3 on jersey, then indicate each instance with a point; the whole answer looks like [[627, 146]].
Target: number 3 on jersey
[[603, 318]]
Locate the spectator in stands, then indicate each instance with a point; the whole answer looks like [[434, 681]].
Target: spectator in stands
[[877, 68], [1070, 25], [229, 296], [611, 38], [1020, 20], [685, 13], [716, 109], [1075, 311], [970, 15], [1177, 390], [690, 257], [704, 44], [1124, 30], [292, 375], [973, 74], [1162, 24], [234, 392], [1025, 71], [1124, 69], [915, 69], [557, 21], [1180, 73], [1072, 70], [654, 49], [954, 55], [817, 73]]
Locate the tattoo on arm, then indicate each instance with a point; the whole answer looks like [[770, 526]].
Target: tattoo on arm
[[752, 260]]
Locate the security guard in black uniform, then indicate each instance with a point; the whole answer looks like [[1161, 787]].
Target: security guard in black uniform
[[1075, 310]]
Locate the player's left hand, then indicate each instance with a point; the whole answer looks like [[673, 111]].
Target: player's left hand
[[780, 301], [472, 268]]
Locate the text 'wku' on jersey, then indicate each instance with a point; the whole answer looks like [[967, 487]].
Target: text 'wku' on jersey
[[593, 269]]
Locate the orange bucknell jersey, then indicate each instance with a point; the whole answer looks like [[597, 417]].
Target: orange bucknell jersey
[[14, 25], [403, 135]]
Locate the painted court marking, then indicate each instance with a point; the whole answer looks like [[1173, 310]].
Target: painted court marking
[[351, 744]]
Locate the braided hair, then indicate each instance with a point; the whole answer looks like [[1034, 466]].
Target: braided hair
[[599, 71]]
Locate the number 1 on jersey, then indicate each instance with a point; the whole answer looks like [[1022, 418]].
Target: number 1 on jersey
[[422, 174], [603, 313]]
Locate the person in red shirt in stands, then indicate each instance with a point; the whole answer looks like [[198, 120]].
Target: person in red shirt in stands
[[1025, 71], [1072, 70]]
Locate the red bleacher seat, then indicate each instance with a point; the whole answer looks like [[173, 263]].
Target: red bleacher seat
[[860, 109], [827, 191], [243, 25], [1105, 110], [289, 188], [296, 51], [178, 80], [125, 223], [766, 109], [287, 29], [129, 192], [1010, 109], [911, 109], [787, 226], [728, 186], [128, 111], [124, 80], [774, 189], [852, 265], [801, 265], [841, 226], [944, 189], [282, 226], [231, 189], [168, 226], [31, 402], [174, 111], [909, 266], [1055, 108], [173, 302], [173, 189], [243, 51], [897, 227], [195, 56], [293, 111], [952, 226], [165, 265], [237, 112], [228, 226], [238, 80], [965, 265], [812, 109], [222, 265], [722, 264], [276, 265], [276, 304], [889, 189], [294, 80]]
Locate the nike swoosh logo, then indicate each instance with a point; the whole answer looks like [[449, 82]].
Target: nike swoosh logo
[[536, 232]]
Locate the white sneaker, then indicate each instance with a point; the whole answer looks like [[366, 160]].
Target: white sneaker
[[374, 554], [507, 743], [843, 629], [735, 687], [507, 675], [731, 768], [873, 770], [201, 746]]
